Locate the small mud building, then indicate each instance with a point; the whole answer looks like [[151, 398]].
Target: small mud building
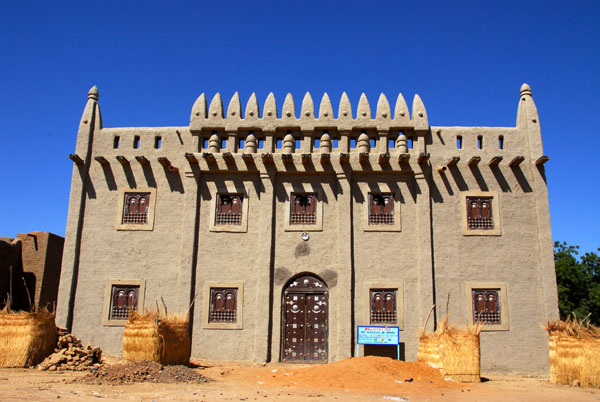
[[30, 270], [292, 230]]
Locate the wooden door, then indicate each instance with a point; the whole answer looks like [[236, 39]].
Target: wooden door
[[305, 321]]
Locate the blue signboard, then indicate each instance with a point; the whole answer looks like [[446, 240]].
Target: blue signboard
[[367, 335]]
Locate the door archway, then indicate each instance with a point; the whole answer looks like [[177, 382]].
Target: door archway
[[305, 320]]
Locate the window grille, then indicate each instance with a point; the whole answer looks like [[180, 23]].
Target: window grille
[[479, 213], [486, 306], [124, 300], [383, 306], [381, 209], [136, 208], [229, 209], [223, 305], [303, 210]]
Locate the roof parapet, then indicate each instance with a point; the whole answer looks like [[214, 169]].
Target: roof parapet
[[212, 116], [419, 115]]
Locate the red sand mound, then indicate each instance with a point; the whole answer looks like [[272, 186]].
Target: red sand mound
[[369, 374]]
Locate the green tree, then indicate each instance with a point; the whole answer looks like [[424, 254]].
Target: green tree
[[578, 282]]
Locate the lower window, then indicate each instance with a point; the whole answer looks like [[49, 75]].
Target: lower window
[[383, 306], [122, 298], [223, 302], [488, 305], [223, 305]]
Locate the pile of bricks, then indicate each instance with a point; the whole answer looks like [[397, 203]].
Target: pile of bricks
[[70, 354]]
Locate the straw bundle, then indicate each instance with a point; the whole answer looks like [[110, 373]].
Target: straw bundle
[[151, 336], [429, 351], [574, 353], [453, 350], [26, 338], [459, 350]]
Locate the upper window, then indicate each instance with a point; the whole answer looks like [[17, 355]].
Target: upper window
[[223, 305], [383, 306], [381, 209], [382, 212], [480, 213], [136, 209], [486, 306], [303, 210], [229, 209]]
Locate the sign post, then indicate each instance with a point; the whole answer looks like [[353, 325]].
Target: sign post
[[367, 335]]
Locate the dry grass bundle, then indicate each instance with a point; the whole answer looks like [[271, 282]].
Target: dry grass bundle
[[26, 338], [454, 350], [574, 352], [152, 336], [429, 351]]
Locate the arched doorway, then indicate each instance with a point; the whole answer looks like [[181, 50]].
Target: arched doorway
[[305, 320]]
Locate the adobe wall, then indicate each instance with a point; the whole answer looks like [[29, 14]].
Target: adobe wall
[[35, 259], [228, 257], [10, 259], [111, 254], [42, 256]]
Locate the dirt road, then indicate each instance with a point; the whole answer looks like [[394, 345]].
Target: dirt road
[[363, 379]]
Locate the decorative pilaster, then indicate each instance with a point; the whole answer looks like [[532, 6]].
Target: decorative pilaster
[[263, 269], [425, 259], [345, 317], [528, 121], [90, 124]]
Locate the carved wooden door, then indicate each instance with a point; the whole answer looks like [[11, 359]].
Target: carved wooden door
[[305, 321]]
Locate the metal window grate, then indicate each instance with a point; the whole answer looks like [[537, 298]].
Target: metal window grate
[[228, 218], [488, 317], [135, 218], [480, 223], [222, 316], [303, 218], [381, 219], [383, 316], [121, 313]]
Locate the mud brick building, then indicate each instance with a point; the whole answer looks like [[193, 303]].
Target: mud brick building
[[294, 229], [30, 268]]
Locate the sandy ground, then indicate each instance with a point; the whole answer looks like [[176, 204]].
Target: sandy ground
[[285, 382]]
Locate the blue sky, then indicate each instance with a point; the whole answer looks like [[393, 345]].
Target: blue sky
[[151, 60]]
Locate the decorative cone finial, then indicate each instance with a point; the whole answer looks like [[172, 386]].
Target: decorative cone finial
[[93, 93], [525, 89]]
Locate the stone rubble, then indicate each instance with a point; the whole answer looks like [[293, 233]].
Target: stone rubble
[[70, 354]]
